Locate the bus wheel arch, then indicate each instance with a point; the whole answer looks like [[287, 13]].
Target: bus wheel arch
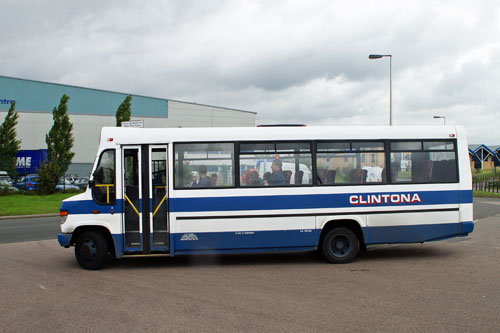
[[94, 246], [341, 240]]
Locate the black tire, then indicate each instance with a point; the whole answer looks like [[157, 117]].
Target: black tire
[[91, 250], [340, 245]]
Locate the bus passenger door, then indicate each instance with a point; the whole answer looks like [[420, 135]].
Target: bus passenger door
[[159, 225], [132, 218], [145, 199]]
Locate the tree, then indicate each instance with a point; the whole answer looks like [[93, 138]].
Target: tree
[[59, 143], [124, 111], [9, 145]]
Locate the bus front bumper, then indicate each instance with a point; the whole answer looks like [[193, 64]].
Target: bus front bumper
[[64, 239]]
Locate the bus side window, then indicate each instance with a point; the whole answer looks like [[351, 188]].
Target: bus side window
[[275, 164], [103, 187], [423, 162], [350, 162], [204, 165]]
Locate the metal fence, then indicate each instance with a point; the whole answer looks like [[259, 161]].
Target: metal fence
[[486, 183]]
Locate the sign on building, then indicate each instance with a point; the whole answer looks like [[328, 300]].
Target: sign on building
[[133, 123], [30, 161]]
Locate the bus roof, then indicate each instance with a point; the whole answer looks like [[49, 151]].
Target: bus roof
[[121, 135]]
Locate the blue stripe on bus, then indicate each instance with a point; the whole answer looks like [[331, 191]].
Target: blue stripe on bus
[[311, 201], [415, 233], [280, 202], [255, 250], [244, 239], [89, 206], [466, 196]]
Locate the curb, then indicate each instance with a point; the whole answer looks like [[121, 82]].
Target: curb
[[18, 217]]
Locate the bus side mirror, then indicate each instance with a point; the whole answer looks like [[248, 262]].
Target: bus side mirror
[[91, 183]]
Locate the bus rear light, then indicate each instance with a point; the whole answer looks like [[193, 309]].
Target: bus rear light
[[63, 214], [110, 139]]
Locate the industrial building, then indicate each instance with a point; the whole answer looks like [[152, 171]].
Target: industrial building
[[91, 109], [484, 157]]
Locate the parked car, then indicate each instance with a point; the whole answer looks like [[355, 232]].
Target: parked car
[[5, 176], [82, 182], [5, 185], [65, 185], [71, 178], [29, 182]]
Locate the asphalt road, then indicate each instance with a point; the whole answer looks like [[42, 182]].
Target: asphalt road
[[28, 229], [447, 286]]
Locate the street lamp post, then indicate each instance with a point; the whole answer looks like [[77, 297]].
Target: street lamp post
[[444, 118], [378, 56]]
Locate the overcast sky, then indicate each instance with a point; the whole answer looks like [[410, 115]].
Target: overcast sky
[[289, 61]]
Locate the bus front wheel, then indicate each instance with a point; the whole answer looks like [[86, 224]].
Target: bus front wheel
[[91, 250], [340, 245]]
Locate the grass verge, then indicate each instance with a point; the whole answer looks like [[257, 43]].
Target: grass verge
[[28, 204], [485, 194]]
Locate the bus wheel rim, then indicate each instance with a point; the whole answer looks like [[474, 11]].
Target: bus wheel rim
[[341, 246], [88, 250]]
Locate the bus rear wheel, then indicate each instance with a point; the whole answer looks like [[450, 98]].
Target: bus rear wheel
[[340, 245], [91, 250]]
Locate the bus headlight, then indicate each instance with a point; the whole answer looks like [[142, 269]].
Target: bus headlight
[[63, 214]]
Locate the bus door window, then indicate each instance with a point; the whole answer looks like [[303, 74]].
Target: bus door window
[[159, 197], [131, 197], [103, 188]]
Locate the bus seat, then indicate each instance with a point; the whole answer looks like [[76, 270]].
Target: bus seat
[[422, 171], [323, 176], [443, 171], [253, 179], [214, 180], [330, 178], [298, 177], [358, 176]]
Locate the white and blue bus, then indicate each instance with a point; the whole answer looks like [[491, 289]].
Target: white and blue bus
[[179, 191]]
